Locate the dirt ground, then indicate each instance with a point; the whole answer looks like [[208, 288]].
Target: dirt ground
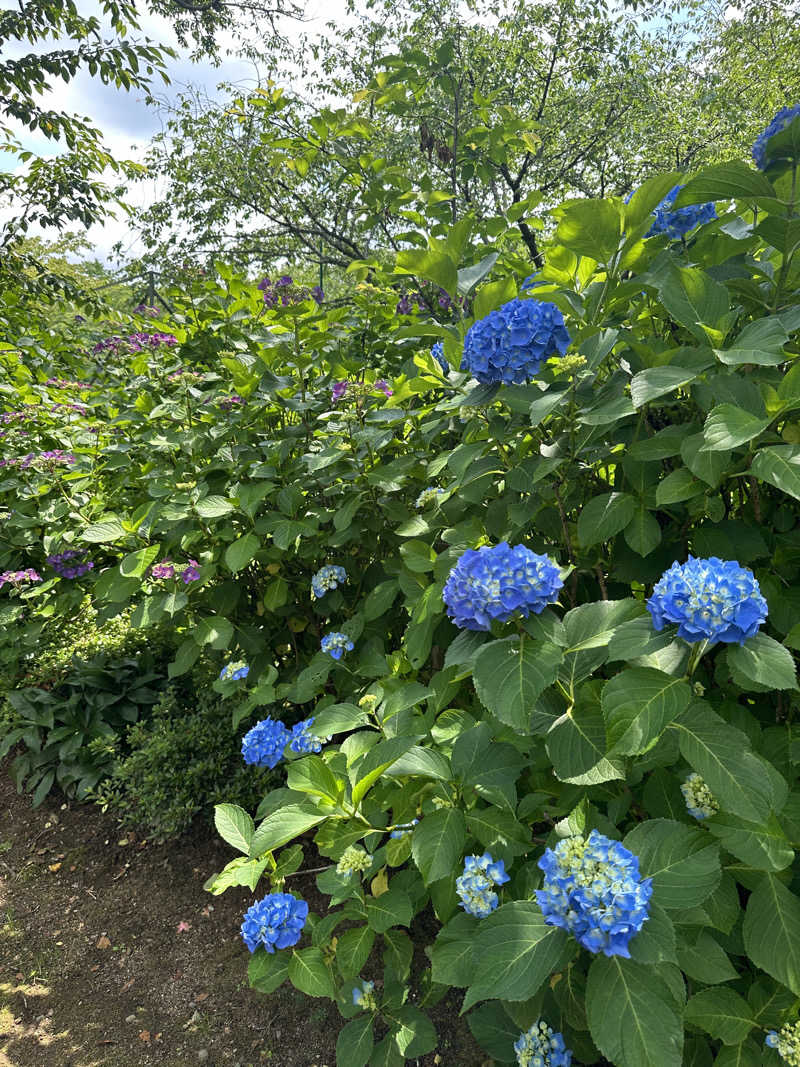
[[113, 955]]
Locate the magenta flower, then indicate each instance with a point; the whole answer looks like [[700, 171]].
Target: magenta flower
[[16, 578], [384, 387], [164, 569]]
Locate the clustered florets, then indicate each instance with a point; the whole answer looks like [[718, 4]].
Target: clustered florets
[[72, 563], [510, 343], [17, 578], [234, 672], [274, 922], [676, 222], [327, 578], [475, 886], [437, 351], [263, 745], [135, 342], [710, 599], [497, 583], [592, 889], [303, 740], [778, 123], [699, 799], [786, 1043], [189, 571], [364, 997], [542, 1047], [354, 859], [431, 495], [284, 292], [335, 644], [56, 457]]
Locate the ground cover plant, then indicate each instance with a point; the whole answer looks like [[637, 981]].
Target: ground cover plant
[[505, 582]]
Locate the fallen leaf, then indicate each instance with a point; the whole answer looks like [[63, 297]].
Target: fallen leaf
[[53, 867], [144, 1035], [103, 942], [201, 997]]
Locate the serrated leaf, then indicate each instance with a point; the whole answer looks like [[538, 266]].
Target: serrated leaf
[[355, 1042], [604, 516], [771, 931], [353, 948], [510, 674], [638, 704], [239, 553], [235, 826], [682, 861], [763, 660], [267, 970], [309, 973], [437, 843], [722, 1013]]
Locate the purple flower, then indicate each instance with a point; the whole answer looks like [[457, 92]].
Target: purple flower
[[229, 402], [191, 572], [164, 569], [339, 389], [16, 578], [72, 563], [384, 387]]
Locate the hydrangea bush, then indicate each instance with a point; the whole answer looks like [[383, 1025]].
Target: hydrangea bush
[[544, 731]]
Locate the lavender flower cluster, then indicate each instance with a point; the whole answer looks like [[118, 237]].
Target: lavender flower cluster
[[71, 563], [283, 292], [135, 342]]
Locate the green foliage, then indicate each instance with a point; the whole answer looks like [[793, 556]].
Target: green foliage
[[669, 429]]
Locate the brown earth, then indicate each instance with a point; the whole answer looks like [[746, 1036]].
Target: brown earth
[[113, 955]]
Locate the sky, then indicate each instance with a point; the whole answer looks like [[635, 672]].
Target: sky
[[126, 120]]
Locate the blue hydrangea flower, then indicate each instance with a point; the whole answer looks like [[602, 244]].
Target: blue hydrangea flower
[[530, 282], [710, 599], [781, 120], [592, 889], [437, 351], [328, 577], [786, 1043], [510, 343], [404, 828], [233, 672], [303, 740], [363, 996], [541, 1047], [274, 922], [475, 886], [336, 643], [264, 744], [497, 583], [700, 801], [675, 222]]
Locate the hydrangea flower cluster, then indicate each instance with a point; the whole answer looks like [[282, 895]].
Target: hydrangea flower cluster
[[353, 859], [710, 599], [699, 799], [677, 222], [363, 996], [274, 922], [303, 740], [338, 391], [329, 577], [146, 309], [498, 582], [404, 828], [542, 1047], [476, 885], [592, 889], [135, 342], [227, 403], [72, 563], [437, 351], [283, 292], [185, 376], [779, 122], [786, 1042], [431, 495], [56, 457], [66, 383], [335, 644], [189, 572], [409, 301], [383, 387], [18, 578], [263, 745], [510, 343], [234, 672]]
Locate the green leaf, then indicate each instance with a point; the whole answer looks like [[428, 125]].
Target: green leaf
[[771, 931], [239, 553], [433, 266], [136, 563], [761, 845], [267, 970], [643, 532], [468, 277], [705, 961], [494, 1031], [492, 296], [516, 951], [392, 908], [648, 196], [658, 381], [748, 1054], [355, 1042], [721, 756], [679, 485], [710, 466], [313, 775], [605, 516], [638, 704], [764, 661], [417, 1034], [281, 825], [234, 825], [721, 1013], [724, 181], [655, 942], [591, 228], [437, 843], [353, 948], [760, 342], [692, 297], [213, 507], [104, 532], [380, 599], [632, 1014], [682, 861], [213, 630], [379, 758], [339, 718], [425, 762], [511, 674], [452, 960], [576, 741], [728, 427], [780, 466], [309, 973]]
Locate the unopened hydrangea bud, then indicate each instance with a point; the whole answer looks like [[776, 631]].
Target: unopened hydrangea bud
[[699, 799], [354, 858], [369, 701], [786, 1043], [431, 495], [542, 1047], [363, 996]]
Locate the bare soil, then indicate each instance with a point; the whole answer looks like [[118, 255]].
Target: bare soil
[[113, 955]]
